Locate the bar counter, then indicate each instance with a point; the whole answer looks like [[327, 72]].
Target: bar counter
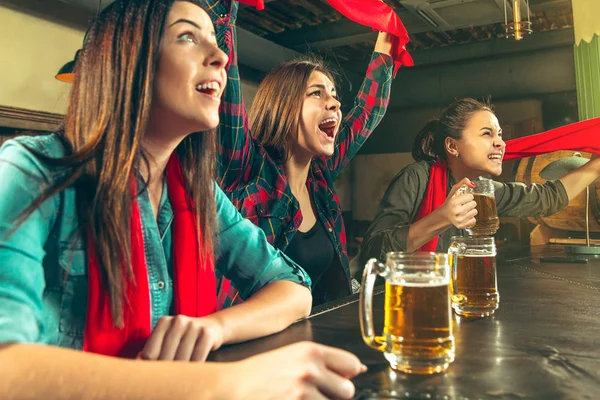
[[542, 343]]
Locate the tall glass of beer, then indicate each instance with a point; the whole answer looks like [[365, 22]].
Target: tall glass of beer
[[417, 334], [474, 285], [487, 222]]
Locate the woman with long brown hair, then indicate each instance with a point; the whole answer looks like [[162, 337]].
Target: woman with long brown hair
[[112, 230], [279, 169]]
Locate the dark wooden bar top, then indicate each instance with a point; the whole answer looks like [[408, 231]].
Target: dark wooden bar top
[[542, 343]]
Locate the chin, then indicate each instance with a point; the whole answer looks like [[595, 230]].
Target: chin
[[206, 125], [496, 172], [327, 153]]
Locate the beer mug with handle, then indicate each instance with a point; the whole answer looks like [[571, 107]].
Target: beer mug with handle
[[417, 334], [486, 220], [474, 285]]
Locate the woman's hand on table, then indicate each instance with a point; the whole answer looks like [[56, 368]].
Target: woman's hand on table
[[182, 338], [303, 370]]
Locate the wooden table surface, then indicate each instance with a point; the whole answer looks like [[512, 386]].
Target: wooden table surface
[[542, 343]]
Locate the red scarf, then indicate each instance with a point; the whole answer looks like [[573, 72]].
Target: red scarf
[[259, 4], [374, 14], [580, 136], [194, 279]]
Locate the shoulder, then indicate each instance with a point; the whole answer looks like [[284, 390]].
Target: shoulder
[[24, 153], [417, 172]]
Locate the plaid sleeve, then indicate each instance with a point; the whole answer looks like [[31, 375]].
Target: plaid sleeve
[[235, 148], [369, 107], [244, 256]]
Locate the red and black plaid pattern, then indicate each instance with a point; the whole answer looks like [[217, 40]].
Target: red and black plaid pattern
[[258, 187]]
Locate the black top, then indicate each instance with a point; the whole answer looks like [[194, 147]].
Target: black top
[[313, 251]]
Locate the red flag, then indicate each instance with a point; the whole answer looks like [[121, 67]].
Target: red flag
[[381, 17], [374, 14], [259, 4]]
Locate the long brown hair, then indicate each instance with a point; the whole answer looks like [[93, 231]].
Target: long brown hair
[[274, 117], [103, 128], [429, 145]]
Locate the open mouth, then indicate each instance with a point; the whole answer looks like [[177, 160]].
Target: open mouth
[[210, 88], [495, 157], [327, 126]]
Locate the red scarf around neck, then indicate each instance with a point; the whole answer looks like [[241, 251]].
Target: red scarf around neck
[[374, 14], [194, 278], [579, 136]]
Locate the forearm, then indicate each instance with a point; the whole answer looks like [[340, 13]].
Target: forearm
[[425, 229], [270, 310], [32, 371], [576, 181], [384, 43]]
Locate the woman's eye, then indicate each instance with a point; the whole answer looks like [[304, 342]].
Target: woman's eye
[[488, 133], [316, 93], [187, 37]]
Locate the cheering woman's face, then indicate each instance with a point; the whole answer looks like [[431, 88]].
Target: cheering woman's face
[[481, 148], [320, 118], [190, 76]]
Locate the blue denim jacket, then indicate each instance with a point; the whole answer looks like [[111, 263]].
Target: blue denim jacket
[[43, 264]]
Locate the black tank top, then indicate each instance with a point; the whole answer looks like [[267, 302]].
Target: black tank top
[[313, 251]]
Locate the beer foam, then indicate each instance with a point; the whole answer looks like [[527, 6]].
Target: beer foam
[[421, 281]]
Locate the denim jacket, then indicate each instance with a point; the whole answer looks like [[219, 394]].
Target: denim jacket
[[43, 264]]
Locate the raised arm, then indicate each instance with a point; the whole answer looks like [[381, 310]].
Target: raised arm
[[520, 200], [369, 107], [235, 148]]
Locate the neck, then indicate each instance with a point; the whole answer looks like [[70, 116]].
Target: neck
[[459, 170], [296, 169], [158, 148]]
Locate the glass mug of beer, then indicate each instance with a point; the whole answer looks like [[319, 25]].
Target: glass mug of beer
[[474, 286], [417, 334], [487, 222]]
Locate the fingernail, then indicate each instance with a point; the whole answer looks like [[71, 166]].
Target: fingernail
[[363, 368]]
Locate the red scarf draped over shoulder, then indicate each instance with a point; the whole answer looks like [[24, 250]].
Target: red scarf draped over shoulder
[[579, 136], [194, 278], [374, 14]]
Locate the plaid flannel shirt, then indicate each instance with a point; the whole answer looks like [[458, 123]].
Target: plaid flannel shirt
[[258, 186]]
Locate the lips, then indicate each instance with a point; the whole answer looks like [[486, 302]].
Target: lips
[[211, 88], [327, 126], [495, 157]]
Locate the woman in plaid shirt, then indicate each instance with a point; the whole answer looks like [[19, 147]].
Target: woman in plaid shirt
[[282, 176]]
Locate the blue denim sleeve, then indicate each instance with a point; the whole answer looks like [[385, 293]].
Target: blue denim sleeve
[[21, 253], [245, 257]]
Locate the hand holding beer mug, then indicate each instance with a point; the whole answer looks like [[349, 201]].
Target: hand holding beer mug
[[487, 222], [417, 334], [474, 287]]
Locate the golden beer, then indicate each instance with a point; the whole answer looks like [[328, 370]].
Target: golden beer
[[417, 333], [474, 287], [487, 222], [417, 326]]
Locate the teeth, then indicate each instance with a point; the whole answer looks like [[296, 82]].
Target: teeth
[[495, 156], [328, 120], [210, 85]]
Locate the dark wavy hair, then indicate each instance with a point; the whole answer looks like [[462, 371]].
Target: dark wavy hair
[[429, 144]]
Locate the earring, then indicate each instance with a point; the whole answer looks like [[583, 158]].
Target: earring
[[457, 155]]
